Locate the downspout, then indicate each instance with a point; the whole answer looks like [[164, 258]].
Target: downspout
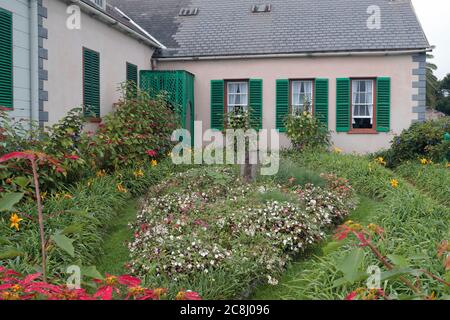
[[34, 61]]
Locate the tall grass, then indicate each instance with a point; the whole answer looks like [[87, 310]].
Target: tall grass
[[433, 179], [414, 225]]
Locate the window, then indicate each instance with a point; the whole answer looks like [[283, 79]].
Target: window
[[91, 83], [237, 96], [302, 96], [6, 59], [132, 73], [362, 104]]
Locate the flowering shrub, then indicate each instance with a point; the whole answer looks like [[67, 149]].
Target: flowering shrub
[[138, 131], [426, 139], [185, 234], [306, 131], [14, 286]]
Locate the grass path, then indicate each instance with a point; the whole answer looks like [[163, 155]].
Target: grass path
[[115, 247], [288, 287]]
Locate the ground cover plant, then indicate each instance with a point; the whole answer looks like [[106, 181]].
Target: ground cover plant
[[208, 230], [414, 226]]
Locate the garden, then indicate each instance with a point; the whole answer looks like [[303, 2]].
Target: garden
[[111, 206]]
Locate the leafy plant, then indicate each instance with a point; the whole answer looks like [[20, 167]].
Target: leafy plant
[[420, 140], [306, 132]]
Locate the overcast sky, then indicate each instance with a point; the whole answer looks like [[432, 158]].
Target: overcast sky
[[435, 18]]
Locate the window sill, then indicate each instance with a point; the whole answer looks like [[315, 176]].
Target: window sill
[[363, 131], [94, 120]]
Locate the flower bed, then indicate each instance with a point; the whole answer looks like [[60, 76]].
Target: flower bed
[[207, 230]]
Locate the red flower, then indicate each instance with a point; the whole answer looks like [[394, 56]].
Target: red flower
[[342, 232], [351, 296], [72, 157], [151, 153]]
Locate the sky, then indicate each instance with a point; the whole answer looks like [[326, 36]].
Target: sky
[[434, 16]]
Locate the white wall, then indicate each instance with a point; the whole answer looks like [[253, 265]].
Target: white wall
[[398, 68], [64, 65]]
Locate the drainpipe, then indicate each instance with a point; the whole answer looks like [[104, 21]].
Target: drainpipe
[[34, 60]]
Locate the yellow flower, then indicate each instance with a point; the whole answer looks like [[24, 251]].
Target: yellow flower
[[394, 183], [337, 150], [380, 160], [138, 173], [101, 173], [121, 188], [154, 163], [68, 196], [15, 220], [170, 154], [423, 161], [448, 165]]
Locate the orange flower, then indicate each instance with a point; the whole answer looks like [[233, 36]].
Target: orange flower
[[15, 220], [154, 163], [121, 188], [394, 183]]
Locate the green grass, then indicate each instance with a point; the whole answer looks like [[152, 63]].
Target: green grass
[[115, 244], [433, 179], [291, 282], [414, 225]]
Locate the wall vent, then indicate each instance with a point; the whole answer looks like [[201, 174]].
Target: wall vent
[[188, 12], [262, 8], [101, 4]]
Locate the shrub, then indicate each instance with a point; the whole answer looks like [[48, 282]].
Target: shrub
[[306, 132], [138, 128], [221, 241], [298, 175], [424, 139]]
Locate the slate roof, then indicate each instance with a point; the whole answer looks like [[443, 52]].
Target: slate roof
[[116, 15], [228, 27]]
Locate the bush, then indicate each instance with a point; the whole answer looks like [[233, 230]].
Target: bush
[[208, 230], [425, 139], [138, 128], [306, 132]]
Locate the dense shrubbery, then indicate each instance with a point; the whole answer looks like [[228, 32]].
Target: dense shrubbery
[[209, 231], [420, 140], [138, 131], [307, 132]]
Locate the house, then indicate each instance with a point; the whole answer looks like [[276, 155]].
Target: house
[[366, 84], [55, 57], [360, 64]]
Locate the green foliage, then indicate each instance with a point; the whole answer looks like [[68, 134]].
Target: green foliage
[[136, 126], [238, 119], [414, 226], [210, 231], [425, 139], [76, 218], [298, 175], [434, 179], [306, 132]]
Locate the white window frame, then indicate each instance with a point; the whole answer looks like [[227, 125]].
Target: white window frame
[[299, 107], [368, 105], [232, 106]]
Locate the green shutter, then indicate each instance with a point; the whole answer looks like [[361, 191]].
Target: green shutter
[[6, 59], [91, 83], [256, 103], [342, 105], [282, 104], [383, 104], [217, 104], [132, 73], [321, 100]]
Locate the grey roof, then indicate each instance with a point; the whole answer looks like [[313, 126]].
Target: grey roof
[[114, 14], [228, 27]]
